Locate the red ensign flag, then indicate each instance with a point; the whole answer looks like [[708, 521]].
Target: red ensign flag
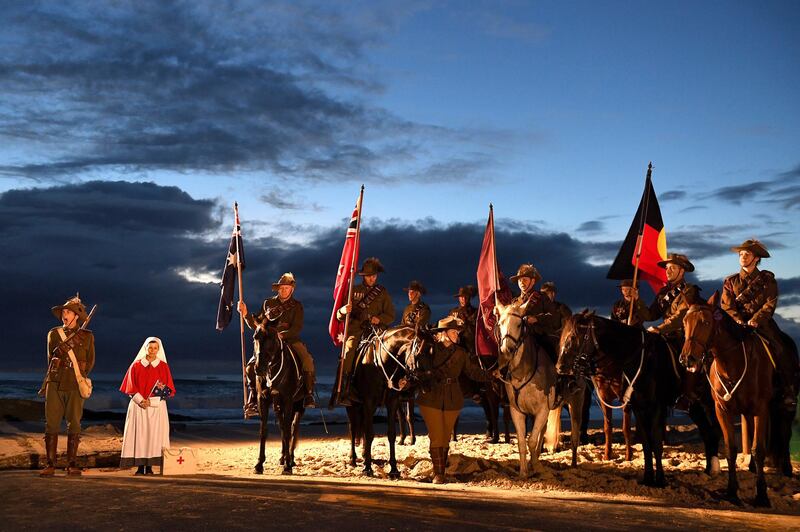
[[346, 265], [491, 284]]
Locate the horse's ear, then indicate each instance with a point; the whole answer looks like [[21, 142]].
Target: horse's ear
[[714, 299]]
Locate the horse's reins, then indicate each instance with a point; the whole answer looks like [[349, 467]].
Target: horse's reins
[[728, 394], [379, 360]]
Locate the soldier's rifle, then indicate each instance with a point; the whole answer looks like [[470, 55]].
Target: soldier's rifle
[[59, 356]]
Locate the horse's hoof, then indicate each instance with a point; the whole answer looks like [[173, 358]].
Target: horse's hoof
[[394, 475], [368, 473], [733, 498], [414, 441], [401, 442], [713, 466], [352, 463], [762, 501], [286, 471], [660, 483], [282, 461], [258, 469]]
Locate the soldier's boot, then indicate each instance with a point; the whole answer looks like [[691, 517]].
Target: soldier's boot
[[688, 392], [251, 407], [344, 393], [72, 455], [308, 381], [51, 453], [438, 461]]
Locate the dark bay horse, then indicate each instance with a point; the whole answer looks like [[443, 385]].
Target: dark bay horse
[[491, 396], [380, 368], [740, 373], [530, 379], [595, 346], [278, 383]]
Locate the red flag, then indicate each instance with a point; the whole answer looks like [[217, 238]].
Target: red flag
[[647, 231], [491, 285], [344, 274]]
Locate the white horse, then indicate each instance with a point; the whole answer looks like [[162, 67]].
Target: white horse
[[530, 379]]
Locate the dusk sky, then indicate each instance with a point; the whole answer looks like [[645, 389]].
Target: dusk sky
[[128, 129]]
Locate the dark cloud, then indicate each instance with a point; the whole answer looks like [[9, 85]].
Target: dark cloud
[[150, 257], [776, 190], [249, 86], [286, 201], [672, 195], [592, 226], [695, 208], [736, 194]]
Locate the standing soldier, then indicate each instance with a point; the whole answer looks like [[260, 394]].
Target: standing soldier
[[62, 398], [540, 313], [371, 306], [286, 313], [468, 315], [622, 307], [417, 312], [750, 297]]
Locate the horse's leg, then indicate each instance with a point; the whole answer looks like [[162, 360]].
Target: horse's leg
[[493, 402], [626, 433], [747, 441], [519, 424], [368, 411], [657, 443], [553, 430], [352, 416], [726, 422], [411, 420], [507, 422], [286, 435], [643, 425], [536, 436], [263, 415], [399, 420], [392, 412], [608, 430], [298, 415], [707, 427], [760, 434], [575, 423]]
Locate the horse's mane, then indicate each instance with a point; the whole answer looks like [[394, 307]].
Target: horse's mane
[[725, 320]]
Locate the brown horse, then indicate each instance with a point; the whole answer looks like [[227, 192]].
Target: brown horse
[[608, 389], [738, 368]]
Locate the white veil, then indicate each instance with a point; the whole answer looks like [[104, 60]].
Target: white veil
[[143, 350]]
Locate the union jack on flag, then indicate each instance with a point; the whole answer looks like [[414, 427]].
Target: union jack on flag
[[232, 260], [343, 274]]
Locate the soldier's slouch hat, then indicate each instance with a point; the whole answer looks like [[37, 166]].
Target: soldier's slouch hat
[[549, 285], [468, 291], [371, 266], [627, 283], [75, 305], [680, 260], [286, 279], [415, 285], [527, 270], [448, 322], [753, 246]]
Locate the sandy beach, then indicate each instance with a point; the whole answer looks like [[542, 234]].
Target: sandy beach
[[227, 453]]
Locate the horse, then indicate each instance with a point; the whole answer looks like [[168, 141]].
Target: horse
[[594, 346], [278, 383], [380, 366], [405, 419], [738, 368], [530, 380]]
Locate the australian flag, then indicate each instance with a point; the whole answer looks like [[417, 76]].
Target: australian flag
[[234, 259]]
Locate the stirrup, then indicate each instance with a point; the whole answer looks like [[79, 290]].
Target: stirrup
[[309, 402], [251, 411]]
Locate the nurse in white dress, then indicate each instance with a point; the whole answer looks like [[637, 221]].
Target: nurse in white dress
[[147, 422]]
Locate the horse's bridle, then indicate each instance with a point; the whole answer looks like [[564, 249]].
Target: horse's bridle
[[582, 366], [517, 341], [706, 356]]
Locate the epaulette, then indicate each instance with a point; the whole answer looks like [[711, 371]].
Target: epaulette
[[730, 277], [768, 274]]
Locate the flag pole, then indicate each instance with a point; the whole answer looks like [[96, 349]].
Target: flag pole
[[640, 238], [350, 292], [494, 255], [241, 297]]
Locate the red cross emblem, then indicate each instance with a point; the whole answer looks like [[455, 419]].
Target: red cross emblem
[[180, 460]]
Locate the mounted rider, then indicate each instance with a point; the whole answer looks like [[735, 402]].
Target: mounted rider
[[621, 307], [417, 313], [467, 314], [564, 312], [285, 313], [671, 304], [750, 297], [371, 307], [541, 315]]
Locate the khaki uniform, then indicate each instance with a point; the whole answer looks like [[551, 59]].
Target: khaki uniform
[[441, 402], [469, 315], [671, 303], [287, 316], [754, 297], [366, 304], [620, 310], [564, 313], [62, 398], [548, 318], [418, 314]]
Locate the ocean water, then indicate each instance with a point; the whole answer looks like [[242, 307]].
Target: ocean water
[[207, 399]]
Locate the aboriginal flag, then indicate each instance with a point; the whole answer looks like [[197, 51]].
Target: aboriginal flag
[[647, 239], [345, 272], [491, 285], [233, 260]]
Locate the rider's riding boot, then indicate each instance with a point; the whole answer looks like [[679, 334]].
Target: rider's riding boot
[[72, 455], [139, 470], [308, 381], [438, 461], [344, 393], [251, 408], [51, 451]]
